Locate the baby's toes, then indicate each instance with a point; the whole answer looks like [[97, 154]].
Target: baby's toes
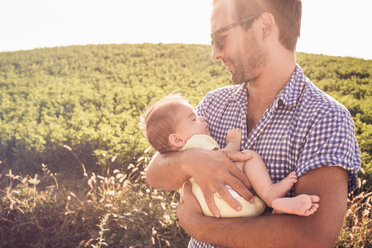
[[314, 198]]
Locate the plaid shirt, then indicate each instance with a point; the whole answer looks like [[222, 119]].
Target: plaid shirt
[[301, 130]]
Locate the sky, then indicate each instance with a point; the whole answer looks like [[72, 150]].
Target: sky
[[330, 27]]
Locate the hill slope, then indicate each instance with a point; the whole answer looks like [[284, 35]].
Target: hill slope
[[90, 99]]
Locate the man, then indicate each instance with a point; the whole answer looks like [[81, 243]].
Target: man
[[284, 117]]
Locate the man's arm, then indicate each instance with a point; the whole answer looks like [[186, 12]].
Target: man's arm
[[211, 170], [165, 171], [319, 230]]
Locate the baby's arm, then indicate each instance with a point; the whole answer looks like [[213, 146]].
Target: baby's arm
[[233, 139]]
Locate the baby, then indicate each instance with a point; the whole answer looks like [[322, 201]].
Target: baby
[[172, 124]]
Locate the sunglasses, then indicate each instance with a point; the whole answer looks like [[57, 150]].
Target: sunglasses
[[219, 43]]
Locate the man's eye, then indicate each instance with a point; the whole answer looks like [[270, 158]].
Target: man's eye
[[221, 42]]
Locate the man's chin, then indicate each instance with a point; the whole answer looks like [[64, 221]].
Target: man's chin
[[236, 80], [239, 80]]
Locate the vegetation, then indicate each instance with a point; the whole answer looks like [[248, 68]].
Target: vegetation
[[69, 118], [105, 211]]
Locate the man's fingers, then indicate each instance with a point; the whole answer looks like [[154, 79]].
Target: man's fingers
[[240, 188], [209, 199], [236, 172], [228, 198]]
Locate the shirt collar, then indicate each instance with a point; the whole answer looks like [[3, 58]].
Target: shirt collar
[[240, 94], [291, 92]]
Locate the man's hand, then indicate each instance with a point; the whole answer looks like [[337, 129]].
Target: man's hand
[[212, 170]]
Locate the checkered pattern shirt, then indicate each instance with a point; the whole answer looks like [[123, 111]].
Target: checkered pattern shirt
[[301, 130]]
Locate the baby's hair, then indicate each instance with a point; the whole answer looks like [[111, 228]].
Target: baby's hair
[[159, 121]]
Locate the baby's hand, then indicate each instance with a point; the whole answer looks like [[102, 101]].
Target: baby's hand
[[234, 135]]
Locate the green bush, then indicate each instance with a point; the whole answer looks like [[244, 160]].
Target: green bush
[[90, 99]]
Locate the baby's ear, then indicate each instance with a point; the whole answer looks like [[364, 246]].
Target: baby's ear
[[176, 141]]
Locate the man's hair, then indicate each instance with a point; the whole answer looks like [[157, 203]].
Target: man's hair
[[287, 14], [159, 121]]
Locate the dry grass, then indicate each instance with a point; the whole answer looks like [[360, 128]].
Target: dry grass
[[357, 229], [117, 210], [110, 211]]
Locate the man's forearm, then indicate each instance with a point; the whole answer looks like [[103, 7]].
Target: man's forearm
[[318, 230], [262, 231], [165, 171]]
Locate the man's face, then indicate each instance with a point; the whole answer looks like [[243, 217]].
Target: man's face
[[189, 123], [240, 51]]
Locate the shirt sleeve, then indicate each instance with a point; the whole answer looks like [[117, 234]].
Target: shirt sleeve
[[331, 142]]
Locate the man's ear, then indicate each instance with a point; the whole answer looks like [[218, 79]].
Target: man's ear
[[176, 141], [268, 23]]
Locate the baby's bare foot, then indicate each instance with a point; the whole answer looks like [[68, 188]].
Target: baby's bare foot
[[303, 205], [310, 205]]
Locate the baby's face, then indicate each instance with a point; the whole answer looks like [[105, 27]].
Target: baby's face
[[189, 123]]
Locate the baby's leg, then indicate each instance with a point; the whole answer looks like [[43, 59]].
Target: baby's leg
[[256, 172], [304, 205]]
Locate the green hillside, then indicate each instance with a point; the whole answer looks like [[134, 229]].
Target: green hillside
[[90, 98], [64, 110]]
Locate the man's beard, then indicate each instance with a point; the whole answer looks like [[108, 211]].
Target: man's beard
[[247, 63]]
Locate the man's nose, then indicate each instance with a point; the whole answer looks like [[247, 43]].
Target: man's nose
[[216, 53]]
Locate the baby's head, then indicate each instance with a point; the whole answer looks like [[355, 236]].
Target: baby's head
[[170, 122]]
